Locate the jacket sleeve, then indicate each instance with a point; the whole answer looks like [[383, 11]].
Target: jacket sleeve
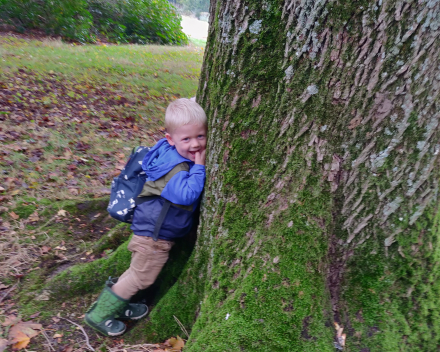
[[185, 187]]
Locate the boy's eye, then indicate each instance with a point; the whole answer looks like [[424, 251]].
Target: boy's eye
[[186, 139], [200, 136]]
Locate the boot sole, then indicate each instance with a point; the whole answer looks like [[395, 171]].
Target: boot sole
[[110, 334]]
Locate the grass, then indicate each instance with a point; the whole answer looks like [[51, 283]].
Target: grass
[[70, 115], [163, 69], [198, 42]]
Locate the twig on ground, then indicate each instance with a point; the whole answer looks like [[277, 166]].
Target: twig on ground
[[7, 293], [83, 331], [48, 341], [46, 223], [133, 348], [181, 326]]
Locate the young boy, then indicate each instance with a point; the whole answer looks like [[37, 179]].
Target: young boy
[[175, 169]]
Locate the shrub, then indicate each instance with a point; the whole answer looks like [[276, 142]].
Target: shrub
[[68, 18], [136, 21]]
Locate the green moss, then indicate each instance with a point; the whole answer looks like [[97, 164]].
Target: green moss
[[24, 209], [115, 237]]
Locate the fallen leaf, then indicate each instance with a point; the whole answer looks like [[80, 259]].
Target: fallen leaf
[[2, 286], [1, 189], [45, 249], [57, 336], [62, 212], [97, 215], [14, 193], [55, 319], [3, 344], [176, 344], [74, 191], [20, 334], [67, 154], [44, 296], [11, 320], [13, 215], [35, 315], [34, 217], [62, 248]]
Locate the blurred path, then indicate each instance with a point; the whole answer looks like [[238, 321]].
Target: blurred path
[[194, 28]]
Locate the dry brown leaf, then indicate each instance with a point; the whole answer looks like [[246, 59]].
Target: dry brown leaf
[[55, 319], [2, 189], [34, 217], [13, 215], [62, 212], [11, 320], [67, 154], [2, 286], [45, 249], [73, 191], [20, 334], [20, 341], [176, 344], [67, 349], [3, 344], [14, 193], [57, 336]]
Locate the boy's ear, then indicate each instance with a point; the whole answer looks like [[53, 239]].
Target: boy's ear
[[169, 138]]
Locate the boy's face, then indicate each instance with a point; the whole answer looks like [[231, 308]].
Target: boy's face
[[188, 139]]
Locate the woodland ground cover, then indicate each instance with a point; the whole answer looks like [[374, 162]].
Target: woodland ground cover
[[70, 116]]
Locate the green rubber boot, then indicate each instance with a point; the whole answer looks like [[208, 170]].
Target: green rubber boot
[[102, 313], [132, 311]]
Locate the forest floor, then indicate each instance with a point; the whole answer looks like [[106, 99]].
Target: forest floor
[[70, 115]]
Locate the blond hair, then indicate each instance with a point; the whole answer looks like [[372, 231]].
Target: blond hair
[[184, 112]]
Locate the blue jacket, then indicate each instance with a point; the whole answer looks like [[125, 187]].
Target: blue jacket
[[172, 177]]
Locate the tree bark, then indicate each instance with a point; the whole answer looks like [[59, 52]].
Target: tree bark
[[321, 202]]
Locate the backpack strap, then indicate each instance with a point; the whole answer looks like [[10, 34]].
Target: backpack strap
[[161, 218], [162, 214]]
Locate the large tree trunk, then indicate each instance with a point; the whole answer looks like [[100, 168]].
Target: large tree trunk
[[321, 201]]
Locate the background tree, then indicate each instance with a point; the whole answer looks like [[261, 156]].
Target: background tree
[[321, 202]]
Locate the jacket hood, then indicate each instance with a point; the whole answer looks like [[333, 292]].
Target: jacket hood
[[161, 159]]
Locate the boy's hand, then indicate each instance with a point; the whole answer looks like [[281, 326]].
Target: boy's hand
[[200, 157]]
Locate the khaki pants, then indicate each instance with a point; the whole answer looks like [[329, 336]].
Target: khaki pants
[[147, 260]]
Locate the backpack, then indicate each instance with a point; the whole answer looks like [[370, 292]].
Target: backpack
[[127, 186]]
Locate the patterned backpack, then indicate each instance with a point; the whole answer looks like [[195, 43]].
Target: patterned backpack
[[127, 186]]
